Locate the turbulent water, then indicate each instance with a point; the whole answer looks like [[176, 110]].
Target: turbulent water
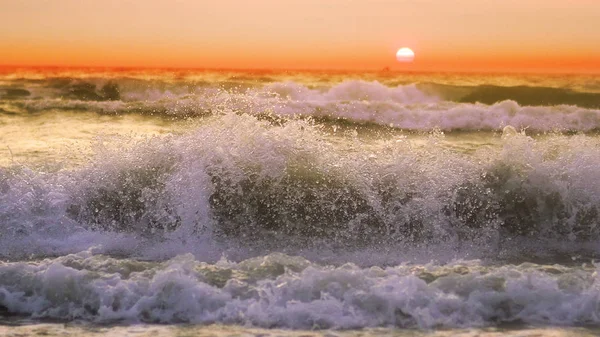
[[300, 200]]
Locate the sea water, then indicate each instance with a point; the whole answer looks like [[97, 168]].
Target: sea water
[[274, 203]]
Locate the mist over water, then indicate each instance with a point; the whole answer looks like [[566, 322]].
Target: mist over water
[[300, 200]]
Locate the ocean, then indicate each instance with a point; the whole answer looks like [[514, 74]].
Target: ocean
[[298, 203]]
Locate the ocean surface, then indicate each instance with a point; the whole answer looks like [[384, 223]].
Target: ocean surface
[[263, 203]]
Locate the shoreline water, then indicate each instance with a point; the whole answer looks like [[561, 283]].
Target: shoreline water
[[142, 330]]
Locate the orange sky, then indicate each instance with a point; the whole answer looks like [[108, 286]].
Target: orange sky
[[455, 35]]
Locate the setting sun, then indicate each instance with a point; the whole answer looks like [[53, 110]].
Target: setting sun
[[405, 55]]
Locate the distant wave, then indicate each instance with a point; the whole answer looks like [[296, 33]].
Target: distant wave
[[409, 107], [523, 95]]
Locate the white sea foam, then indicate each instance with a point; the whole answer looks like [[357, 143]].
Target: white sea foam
[[281, 291]]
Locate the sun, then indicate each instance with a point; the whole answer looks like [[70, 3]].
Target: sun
[[405, 55]]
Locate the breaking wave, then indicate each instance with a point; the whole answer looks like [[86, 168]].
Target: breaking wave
[[240, 179]]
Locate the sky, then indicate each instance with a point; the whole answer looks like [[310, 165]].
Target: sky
[[446, 35]]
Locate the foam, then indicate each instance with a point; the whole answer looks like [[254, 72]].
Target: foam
[[299, 295]]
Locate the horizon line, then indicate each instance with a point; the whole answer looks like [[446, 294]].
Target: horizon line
[[383, 69]]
